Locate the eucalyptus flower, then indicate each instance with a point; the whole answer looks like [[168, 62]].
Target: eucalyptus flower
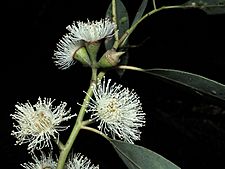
[[45, 162], [78, 161], [69, 50], [118, 109], [37, 124], [92, 31]]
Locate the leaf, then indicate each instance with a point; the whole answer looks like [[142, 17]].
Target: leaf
[[138, 157], [211, 7], [140, 11], [139, 14], [123, 25], [195, 82]]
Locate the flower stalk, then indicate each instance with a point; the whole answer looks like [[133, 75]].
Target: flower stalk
[[95, 131], [65, 151]]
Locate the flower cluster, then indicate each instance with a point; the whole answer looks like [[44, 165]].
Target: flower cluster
[[118, 109], [79, 34], [76, 161], [92, 31], [43, 162], [36, 124], [66, 48]]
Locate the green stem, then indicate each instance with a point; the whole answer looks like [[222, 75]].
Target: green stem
[[131, 68], [95, 131], [79, 122], [123, 39], [100, 76], [60, 144], [87, 122], [114, 18], [65, 151], [154, 4], [94, 75]]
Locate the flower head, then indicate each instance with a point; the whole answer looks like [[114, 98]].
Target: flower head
[[66, 53], [92, 31], [45, 162], [118, 109], [78, 161], [37, 124]]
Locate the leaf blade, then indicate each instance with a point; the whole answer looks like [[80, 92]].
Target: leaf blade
[[211, 7], [193, 81], [138, 157], [140, 11]]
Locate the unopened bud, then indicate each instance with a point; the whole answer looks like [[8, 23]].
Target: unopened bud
[[92, 48], [109, 59], [82, 56]]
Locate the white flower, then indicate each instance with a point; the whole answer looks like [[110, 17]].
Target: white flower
[[92, 31], [37, 124], [66, 49], [118, 109], [78, 161], [43, 163]]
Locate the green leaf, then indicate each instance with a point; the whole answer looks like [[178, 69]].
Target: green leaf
[[140, 11], [211, 7], [138, 157], [122, 21], [195, 82], [123, 25]]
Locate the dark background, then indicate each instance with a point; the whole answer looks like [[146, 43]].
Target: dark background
[[182, 126]]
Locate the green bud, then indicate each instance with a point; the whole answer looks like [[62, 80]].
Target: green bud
[[92, 48], [82, 56], [109, 59]]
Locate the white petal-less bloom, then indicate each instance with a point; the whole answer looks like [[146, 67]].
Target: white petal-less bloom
[[118, 109], [45, 162], [78, 161], [66, 48], [92, 31], [37, 124]]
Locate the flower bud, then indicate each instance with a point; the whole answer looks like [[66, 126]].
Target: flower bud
[[109, 59], [82, 56], [92, 48]]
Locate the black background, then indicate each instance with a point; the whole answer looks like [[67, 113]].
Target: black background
[[182, 126]]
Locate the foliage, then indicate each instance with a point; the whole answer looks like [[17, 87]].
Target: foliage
[[103, 100]]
